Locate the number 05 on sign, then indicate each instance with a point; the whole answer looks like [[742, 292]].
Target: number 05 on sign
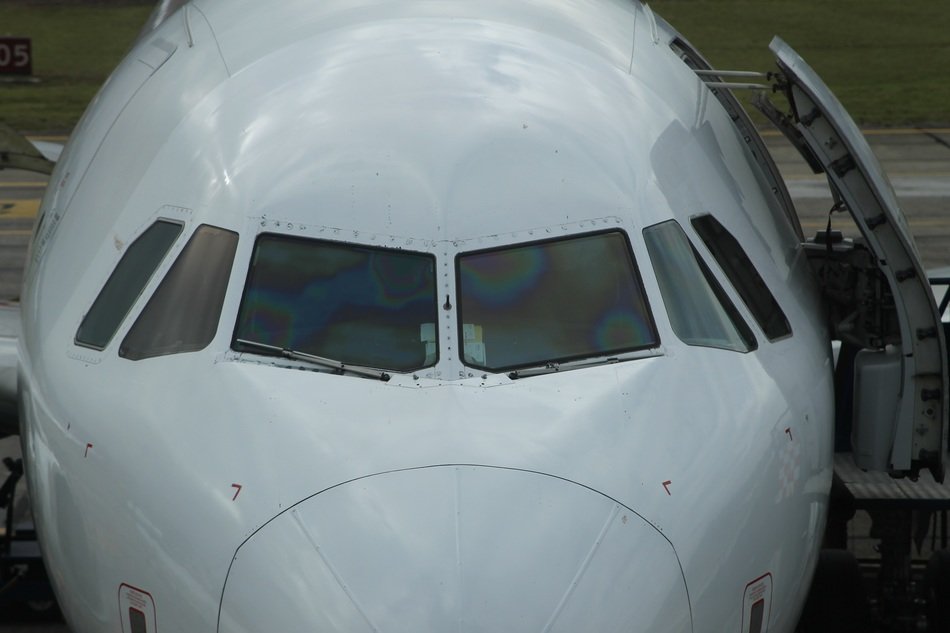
[[16, 56]]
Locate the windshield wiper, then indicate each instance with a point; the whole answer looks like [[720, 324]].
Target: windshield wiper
[[554, 367], [326, 363]]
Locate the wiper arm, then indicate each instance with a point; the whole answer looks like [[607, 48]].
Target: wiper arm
[[321, 361], [553, 368]]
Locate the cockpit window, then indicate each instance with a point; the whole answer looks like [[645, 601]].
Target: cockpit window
[[552, 301], [700, 311], [744, 277], [183, 314], [359, 305], [126, 283]]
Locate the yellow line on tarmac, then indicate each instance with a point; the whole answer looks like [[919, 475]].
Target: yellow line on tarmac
[[23, 184], [19, 208]]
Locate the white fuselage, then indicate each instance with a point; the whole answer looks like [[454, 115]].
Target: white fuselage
[[216, 490]]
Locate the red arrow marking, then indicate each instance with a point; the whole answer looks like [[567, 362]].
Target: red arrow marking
[[237, 490], [666, 485], [789, 431], [88, 446]]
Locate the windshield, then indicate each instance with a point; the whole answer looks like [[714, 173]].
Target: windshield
[[552, 301], [355, 304]]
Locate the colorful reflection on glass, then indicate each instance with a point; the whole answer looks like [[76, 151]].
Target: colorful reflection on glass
[[356, 304], [552, 301]]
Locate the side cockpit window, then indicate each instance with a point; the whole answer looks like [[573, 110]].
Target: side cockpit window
[[552, 301], [744, 277], [183, 314], [699, 310], [354, 304], [126, 283]]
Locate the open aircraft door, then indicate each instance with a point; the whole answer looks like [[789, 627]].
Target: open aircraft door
[[880, 301]]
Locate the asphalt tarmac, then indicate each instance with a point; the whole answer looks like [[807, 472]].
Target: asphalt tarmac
[[916, 160], [918, 165], [20, 194]]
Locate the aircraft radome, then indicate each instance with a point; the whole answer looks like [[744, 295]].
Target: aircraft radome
[[470, 316]]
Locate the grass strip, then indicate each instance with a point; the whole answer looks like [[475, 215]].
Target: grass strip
[[887, 61], [75, 47]]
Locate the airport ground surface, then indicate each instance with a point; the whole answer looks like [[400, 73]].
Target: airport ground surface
[[917, 161]]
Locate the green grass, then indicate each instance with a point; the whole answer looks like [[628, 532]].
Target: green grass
[[888, 61], [75, 47]]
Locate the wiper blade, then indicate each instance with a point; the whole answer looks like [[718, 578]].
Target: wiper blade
[[553, 368], [321, 361]]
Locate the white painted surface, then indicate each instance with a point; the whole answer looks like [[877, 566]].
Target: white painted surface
[[447, 126]]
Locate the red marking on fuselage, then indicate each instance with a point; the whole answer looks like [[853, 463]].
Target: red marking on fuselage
[[88, 446], [788, 431], [237, 490], [666, 486]]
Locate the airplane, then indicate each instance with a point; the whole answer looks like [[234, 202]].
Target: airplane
[[474, 316]]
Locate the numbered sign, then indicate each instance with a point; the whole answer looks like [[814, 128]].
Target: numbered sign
[[16, 56]]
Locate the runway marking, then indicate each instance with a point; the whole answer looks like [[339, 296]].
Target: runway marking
[[19, 208], [52, 138]]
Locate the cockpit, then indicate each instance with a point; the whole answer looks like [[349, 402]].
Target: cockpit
[[378, 306], [516, 306]]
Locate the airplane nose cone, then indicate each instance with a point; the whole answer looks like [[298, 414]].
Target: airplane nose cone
[[456, 548]]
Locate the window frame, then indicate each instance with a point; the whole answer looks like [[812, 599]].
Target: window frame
[[747, 131], [177, 271], [742, 328], [745, 278], [637, 277], [135, 297], [235, 346]]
